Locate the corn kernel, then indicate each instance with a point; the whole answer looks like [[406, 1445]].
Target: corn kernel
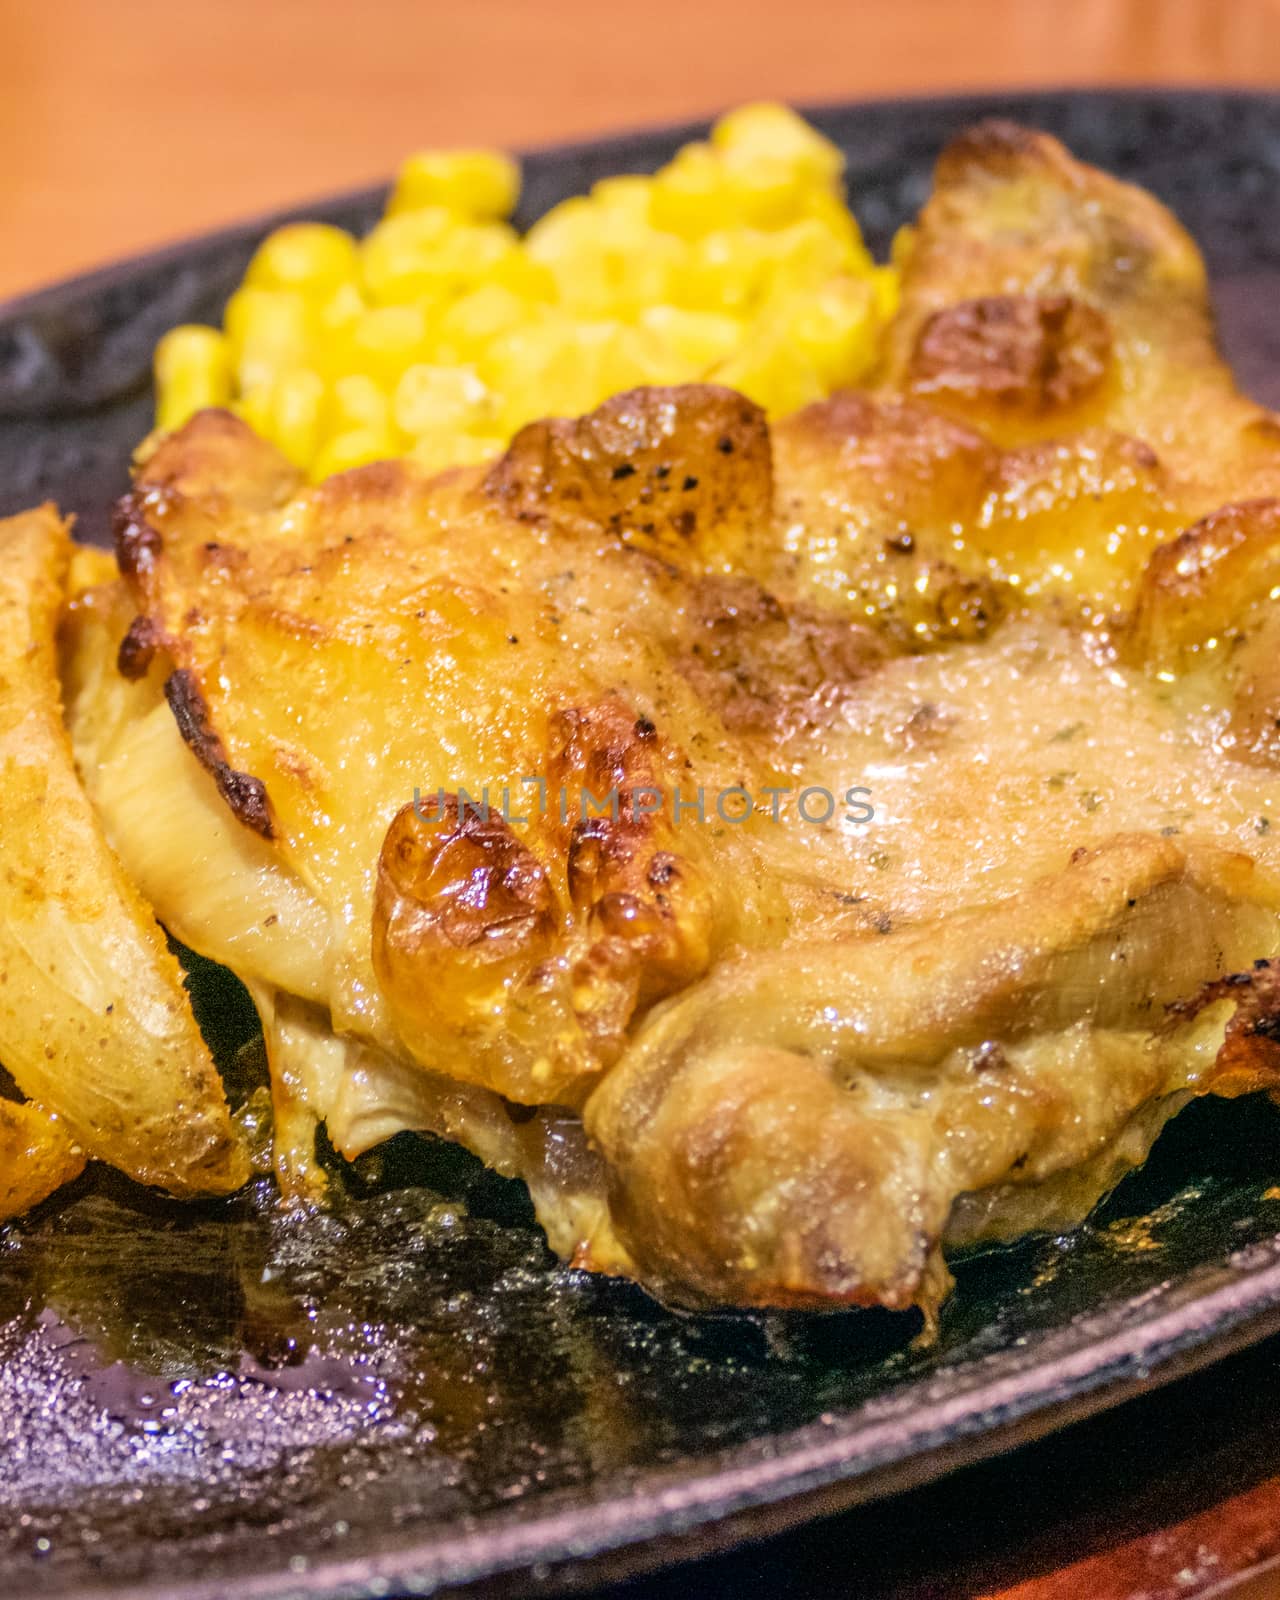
[[690, 196], [268, 330], [407, 259], [333, 322], [482, 185], [694, 340], [254, 407], [832, 328], [627, 197], [887, 284], [440, 400], [625, 268], [830, 210], [396, 255], [292, 415], [443, 331], [624, 358], [309, 256], [565, 245], [565, 366], [805, 253], [523, 276], [385, 340], [770, 132], [644, 263], [604, 259], [772, 374], [192, 371], [704, 189], [539, 369], [565, 232], [440, 451], [764, 194], [474, 251], [466, 327], [359, 403], [354, 449], [727, 271]]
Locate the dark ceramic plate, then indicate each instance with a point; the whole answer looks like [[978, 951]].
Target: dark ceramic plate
[[409, 1395]]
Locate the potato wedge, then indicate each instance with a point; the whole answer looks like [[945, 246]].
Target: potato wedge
[[94, 1022], [37, 1156]]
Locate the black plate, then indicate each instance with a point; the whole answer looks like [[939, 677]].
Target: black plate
[[409, 1395]]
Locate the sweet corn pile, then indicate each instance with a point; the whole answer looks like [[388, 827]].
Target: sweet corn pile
[[444, 331]]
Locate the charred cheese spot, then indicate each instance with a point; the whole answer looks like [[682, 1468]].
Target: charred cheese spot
[[138, 649], [1249, 1057], [769, 668], [245, 795], [996, 146], [1202, 585], [649, 466], [1013, 351], [137, 543], [463, 911], [648, 908], [1206, 604]]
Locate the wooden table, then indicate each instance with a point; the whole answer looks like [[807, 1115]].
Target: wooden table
[[1173, 1497], [125, 124]]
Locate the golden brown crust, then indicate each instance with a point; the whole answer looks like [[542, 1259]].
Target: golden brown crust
[[1012, 212], [670, 470], [138, 649], [245, 795], [462, 912], [1041, 354], [222, 460], [648, 910], [1201, 585], [1249, 1058], [877, 487], [1205, 610]]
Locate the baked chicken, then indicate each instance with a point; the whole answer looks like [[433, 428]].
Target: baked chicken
[[794, 850]]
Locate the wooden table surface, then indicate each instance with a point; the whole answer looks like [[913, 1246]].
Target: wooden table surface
[[126, 124]]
